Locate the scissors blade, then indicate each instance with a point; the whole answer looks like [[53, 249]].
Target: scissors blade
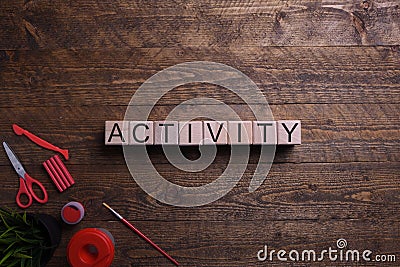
[[14, 161]]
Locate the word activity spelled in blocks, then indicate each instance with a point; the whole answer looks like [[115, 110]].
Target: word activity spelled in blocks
[[184, 133]]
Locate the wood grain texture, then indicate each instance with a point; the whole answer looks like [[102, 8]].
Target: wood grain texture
[[66, 67], [313, 191], [90, 24], [110, 77]]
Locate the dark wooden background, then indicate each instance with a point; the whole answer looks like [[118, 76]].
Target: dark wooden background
[[68, 66]]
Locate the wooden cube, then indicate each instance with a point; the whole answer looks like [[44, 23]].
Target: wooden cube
[[166, 133], [264, 133], [141, 133], [240, 132], [289, 132], [215, 132], [190, 133], [116, 133]]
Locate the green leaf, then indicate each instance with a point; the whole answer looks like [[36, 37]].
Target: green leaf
[[10, 246], [24, 219], [5, 257], [7, 240], [8, 230], [28, 240], [4, 221], [22, 256], [22, 239], [23, 249]]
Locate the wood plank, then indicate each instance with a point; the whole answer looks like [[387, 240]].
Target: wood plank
[[369, 75], [236, 243], [330, 133], [95, 92], [88, 24], [290, 192], [353, 58], [81, 89]]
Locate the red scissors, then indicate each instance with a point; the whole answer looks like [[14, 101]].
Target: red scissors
[[26, 182]]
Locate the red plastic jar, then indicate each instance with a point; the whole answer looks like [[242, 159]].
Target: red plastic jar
[[91, 247], [72, 212]]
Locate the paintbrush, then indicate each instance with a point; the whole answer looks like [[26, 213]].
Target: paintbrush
[[133, 228]]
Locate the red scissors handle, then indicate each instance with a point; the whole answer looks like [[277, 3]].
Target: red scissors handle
[[23, 191], [26, 188]]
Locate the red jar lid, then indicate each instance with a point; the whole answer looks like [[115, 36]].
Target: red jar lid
[[91, 247]]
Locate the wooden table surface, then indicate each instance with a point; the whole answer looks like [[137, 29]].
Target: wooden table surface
[[68, 66]]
